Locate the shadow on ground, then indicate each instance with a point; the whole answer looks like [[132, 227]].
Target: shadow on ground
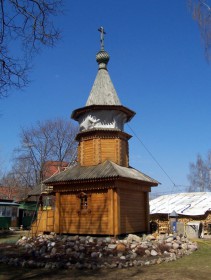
[[12, 273], [8, 236]]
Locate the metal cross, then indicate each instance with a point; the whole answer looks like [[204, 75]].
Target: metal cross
[[102, 32]]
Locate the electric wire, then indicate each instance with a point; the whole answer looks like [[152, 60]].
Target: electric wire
[[148, 151]]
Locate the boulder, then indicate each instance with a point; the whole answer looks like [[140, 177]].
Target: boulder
[[120, 247], [112, 246], [175, 245], [133, 237], [153, 253]]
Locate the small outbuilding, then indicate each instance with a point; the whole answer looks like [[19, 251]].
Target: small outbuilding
[[190, 209], [8, 214]]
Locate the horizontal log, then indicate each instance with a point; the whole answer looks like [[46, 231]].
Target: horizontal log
[[82, 218], [102, 232], [83, 229]]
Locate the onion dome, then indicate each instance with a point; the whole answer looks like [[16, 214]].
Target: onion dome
[[102, 58], [103, 107]]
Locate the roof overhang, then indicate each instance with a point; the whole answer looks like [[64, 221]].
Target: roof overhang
[[9, 204], [92, 180], [108, 132], [106, 171], [80, 111]]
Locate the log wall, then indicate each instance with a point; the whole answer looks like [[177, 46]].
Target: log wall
[[133, 209], [96, 150], [44, 222], [93, 220], [119, 209]]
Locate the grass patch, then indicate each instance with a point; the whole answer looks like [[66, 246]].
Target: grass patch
[[7, 236], [195, 266]]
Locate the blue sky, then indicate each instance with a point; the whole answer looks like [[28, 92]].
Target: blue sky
[[158, 68]]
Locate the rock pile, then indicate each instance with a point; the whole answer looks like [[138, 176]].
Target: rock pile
[[87, 252]]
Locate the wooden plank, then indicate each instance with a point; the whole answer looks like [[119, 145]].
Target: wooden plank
[[57, 214], [133, 211], [96, 150], [147, 217], [111, 211], [95, 221], [116, 213]]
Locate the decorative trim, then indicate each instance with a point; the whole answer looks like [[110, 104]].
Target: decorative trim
[[135, 185], [95, 134]]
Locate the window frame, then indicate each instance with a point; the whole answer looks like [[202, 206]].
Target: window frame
[[84, 203]]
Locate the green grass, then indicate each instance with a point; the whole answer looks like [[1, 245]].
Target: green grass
[[9, 236], [195, 266]]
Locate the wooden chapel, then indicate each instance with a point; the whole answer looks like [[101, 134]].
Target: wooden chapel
[[102, 194]]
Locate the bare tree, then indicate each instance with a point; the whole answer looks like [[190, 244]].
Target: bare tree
[[1, 167], [10, 187], [25, 26], [201, 11], [23, 174], [52, 140], [200, 174]]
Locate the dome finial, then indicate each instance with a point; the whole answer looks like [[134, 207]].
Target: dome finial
[[102, 56], [102, 32]]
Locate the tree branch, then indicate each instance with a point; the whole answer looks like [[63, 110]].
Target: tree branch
[[28, 23]]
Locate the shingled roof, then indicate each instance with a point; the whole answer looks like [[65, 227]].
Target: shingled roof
[[103, 95], [103, 91], [105, 170]]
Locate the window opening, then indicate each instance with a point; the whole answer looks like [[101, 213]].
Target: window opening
[[83, 200]]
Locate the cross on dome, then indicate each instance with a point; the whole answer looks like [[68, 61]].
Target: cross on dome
[[102, 32]]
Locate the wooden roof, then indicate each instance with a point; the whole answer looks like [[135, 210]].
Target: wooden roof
[[103, 91], [105, 170], [103, 95]]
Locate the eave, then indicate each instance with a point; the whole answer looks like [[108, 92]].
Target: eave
[[80, 111], [103, 133], [87, 181]]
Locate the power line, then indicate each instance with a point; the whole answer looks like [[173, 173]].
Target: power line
[[148, 151]]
